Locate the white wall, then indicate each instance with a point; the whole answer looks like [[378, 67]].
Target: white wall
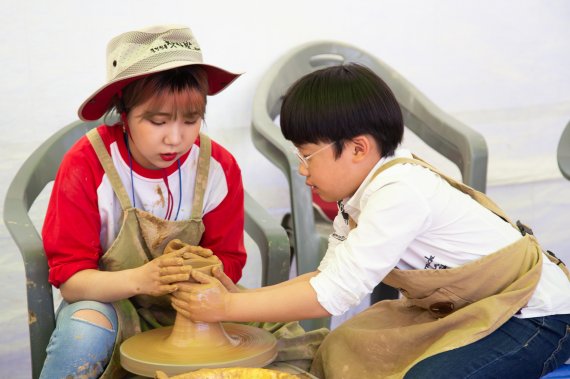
[[501, 67]]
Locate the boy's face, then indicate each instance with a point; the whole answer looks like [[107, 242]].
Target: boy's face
[[332, 178]]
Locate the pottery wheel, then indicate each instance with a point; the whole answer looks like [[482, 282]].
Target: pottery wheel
[[188, 346], [245, 346]]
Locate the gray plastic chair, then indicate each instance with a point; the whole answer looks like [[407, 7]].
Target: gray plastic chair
[[451, 138], [39, 170], [563, 152]]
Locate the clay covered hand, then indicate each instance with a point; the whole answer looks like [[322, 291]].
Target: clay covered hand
[[197, 257], [159, 276], [204, 301], [218, 273]]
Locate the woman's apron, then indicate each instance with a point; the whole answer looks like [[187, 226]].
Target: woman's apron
[[143, 237], [439, 310]]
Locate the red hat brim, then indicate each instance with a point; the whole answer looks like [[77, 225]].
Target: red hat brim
[[99, 102]]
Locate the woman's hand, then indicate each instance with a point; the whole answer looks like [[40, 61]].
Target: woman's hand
[[162, 275], [207, 300], [198, 258]]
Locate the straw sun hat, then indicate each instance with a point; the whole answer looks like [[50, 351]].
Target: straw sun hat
[[135, 54]]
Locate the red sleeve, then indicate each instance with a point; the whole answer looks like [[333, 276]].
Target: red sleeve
[[72, 224], [224, 225]]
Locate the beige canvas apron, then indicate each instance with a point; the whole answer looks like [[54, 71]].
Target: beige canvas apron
[[439, 310], [142, 237]]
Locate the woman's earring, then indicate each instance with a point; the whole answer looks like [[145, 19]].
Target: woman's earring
[[124, 121]]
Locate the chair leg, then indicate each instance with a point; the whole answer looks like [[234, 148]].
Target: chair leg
[[287, 224]]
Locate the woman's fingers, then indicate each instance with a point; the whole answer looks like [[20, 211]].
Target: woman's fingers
[[171, 270], [170, 288], [168, 279], [191, 251], [168, 261], [201, 277], [172, 274]]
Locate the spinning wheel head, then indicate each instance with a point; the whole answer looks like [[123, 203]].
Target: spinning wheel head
[[188, 346]]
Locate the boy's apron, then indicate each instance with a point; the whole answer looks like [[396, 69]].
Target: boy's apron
[[144, 236], [440, 310]]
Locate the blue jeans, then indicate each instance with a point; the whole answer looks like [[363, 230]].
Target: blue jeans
[[78, 348], [521, 348]]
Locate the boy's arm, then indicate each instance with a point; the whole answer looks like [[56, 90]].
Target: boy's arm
[[209, 301], [232, 287], [287, 302]]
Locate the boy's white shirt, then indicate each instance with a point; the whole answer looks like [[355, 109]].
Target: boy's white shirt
[[411, 218]]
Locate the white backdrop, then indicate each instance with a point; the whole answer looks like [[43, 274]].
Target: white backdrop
[[500, 67]]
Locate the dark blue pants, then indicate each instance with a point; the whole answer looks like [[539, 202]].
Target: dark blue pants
[[521, 348]]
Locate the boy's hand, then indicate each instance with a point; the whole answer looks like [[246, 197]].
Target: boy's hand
[[159, 276], [206, 300], [218, 273]]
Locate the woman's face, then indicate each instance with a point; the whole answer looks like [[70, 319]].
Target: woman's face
[[160, 132]]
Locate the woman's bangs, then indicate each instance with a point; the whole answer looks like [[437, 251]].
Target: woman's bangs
[[189, 103]]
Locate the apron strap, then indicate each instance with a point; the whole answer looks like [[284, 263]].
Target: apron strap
[[107, 163], [480, 197], [476, 195], [202, 172]]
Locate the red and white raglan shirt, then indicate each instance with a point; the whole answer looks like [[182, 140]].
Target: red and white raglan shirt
[[84, 215]]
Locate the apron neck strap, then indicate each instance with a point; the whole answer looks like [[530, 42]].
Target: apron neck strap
[[202, 172], [476, 195], [107, 163]]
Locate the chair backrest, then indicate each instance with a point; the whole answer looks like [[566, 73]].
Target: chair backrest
[[31, 179], [563, 152], [451, 138]]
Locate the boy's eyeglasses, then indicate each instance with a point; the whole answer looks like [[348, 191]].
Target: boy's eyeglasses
[[305, 160]]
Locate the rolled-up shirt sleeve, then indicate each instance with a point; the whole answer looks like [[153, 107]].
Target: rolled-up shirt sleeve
[[392, 216]]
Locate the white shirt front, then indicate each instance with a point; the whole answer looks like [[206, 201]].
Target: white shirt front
[[411, 218]]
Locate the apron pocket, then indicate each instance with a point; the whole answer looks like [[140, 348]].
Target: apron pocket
[[439, 303]]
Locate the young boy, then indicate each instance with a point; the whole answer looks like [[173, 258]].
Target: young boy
[[479, 299]]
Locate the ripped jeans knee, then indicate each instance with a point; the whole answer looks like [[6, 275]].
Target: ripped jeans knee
[[82, 342]]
